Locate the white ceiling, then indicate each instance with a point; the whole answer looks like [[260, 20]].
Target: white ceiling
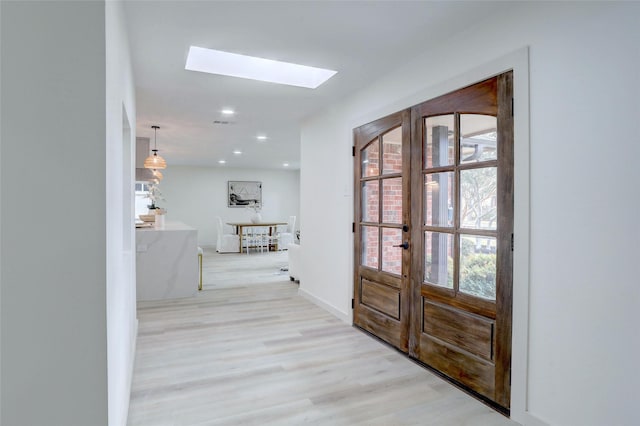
[[362, 40]]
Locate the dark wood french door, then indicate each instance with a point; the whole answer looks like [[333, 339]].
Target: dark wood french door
[[381, 292], [445, 299]]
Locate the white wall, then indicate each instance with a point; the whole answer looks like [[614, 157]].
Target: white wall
[[53, 313], [66, 359], [120, 149], [196, 195], [0, 221], [584, 290]]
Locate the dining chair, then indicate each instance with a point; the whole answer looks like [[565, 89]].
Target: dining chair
[[271, 238], [256, 237], [247, 239], [227, 242], [264, 238], [200, 256]]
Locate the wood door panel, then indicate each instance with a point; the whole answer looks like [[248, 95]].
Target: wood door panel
[[388, 329], [461, 301], [381, 277], [472, 371], [470, 332], [381, 298]]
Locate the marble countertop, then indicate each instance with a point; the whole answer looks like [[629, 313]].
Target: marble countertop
[[168, 226], [166, 262]]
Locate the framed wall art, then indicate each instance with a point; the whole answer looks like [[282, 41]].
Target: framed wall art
[[244, 194]]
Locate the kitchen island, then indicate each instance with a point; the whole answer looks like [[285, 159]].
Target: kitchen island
[[166, 262]]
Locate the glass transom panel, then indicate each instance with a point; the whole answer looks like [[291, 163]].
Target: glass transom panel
[[439, 141], [478, 266], [438, 259], [478, 138], [391, 256], [438, 199], [370, 159], [478, 198], [369, 246], [392, 151], [370, 201], [392, 200]]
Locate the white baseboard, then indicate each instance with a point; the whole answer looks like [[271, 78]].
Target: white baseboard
[[531, 420], [131, 368], [133, 350], [326, 306]]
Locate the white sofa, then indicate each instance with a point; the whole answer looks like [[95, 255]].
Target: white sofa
[[293, 251]]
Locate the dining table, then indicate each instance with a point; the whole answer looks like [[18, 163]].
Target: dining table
[[239, 226]]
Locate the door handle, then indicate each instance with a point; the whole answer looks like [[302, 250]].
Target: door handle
[[404, 245]]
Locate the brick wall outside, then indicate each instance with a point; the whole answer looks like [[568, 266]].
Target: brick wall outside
[[370, 201], [390, 259], [391, 256], [370, 246], [371, 160]]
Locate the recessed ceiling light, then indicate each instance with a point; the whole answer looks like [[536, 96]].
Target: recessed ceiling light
[[221, 161], [237, 152], [235, 65], [228, 111], [261, 137], [285, 164]]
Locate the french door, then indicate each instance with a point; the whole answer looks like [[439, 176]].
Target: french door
[[434, 278], [381, 292]]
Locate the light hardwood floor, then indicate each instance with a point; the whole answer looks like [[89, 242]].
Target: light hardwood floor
[[259, 354]]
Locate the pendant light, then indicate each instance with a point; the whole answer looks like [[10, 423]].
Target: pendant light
[[157, 175], [155, 161]]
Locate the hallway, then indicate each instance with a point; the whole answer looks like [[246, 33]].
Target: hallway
[[261, 354]]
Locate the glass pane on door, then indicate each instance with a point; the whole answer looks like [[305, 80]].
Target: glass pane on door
[[478, 138], [478, 266], [478, 198], [438, 199], [438, 141], [438, 259], [392, 151], [369, 246], [370, 201], [392, 256], [370, 159], [392, 200]]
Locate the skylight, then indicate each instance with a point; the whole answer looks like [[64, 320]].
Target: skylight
[[235, 65]]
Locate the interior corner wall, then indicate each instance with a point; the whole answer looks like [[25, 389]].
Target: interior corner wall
[[0, 220], [120, 232], [583, 282], [196, 195], [53, 312]]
